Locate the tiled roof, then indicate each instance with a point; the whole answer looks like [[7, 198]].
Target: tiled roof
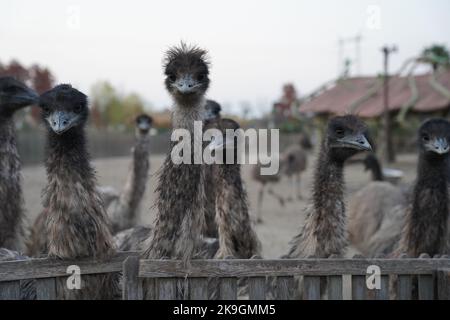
[[364, 95]]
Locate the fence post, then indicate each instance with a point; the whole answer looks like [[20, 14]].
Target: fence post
[[46, 289], [10, 290], [131, 288], [443, 284]]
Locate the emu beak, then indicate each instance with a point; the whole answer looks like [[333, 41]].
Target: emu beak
[[186, 85], [25, 98], [61, 121], [219, 143], [439, 146], [143, 126], [358, 141]]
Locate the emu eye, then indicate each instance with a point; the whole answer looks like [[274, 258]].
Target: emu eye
[[11, 89], [172, 77], [339, 132], [77, 108], [425, 137], [46, 109], [201, 77]]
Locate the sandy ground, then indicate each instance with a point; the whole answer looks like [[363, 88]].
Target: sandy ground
[[280, 223]]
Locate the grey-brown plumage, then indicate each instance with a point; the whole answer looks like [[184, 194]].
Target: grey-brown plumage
[[124, 210], [37, 241], [427, 217], [369, 212], [237, 237], [324, 231], [14, 96], [295, 160], [180, 219], [416, 221], [76, 223], [212, 113], [266, 182], [134, 239]]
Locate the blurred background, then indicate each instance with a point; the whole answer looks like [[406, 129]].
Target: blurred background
[[275, 64]]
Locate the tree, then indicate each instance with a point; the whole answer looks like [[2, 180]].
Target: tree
[[103, 96], [39, 78], [436, 55], [133, 106], [109, 108], [16, 70]]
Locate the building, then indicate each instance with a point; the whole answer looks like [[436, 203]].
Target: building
[[422, 94]]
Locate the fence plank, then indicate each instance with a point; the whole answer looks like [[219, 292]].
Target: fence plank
[[167, 289], [131, 288], [257, 288], [335, 288], [228, 289], [284, 288], [198, 289], [50, 268], [443, 283], [383, 292], [10, 290], [149, 289], [286, 267], [358, 287], [46, 289], [404, 287], [311, 288], [426, 287]]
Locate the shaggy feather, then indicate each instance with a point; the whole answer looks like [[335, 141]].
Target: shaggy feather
[[124, 212], [76, 223], [14, 95]]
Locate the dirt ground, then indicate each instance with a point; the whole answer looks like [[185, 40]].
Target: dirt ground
[[280, 223]]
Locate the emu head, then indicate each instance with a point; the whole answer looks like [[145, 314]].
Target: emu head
[[64, 109], [434, 137], [346, 136], [14, 95], [213, 109], [186, 69], [143, 124]]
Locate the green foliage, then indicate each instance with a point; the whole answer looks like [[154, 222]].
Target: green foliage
[[436, 55], [112, 109]]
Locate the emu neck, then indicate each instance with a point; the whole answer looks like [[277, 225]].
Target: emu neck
[[327, 222], [8, 147], [236, 235], [377, 174], [184, 115], [68, 159], [324, 230], [77, 225], [181, 197], [427, 228], [328, 185], [139, 173], [11, 200], [125, 215]]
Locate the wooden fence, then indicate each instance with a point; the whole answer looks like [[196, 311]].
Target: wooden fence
[[275, 278], [15, 274], [263, 279]]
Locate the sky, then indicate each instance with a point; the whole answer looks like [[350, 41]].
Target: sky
[[254, 46]]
